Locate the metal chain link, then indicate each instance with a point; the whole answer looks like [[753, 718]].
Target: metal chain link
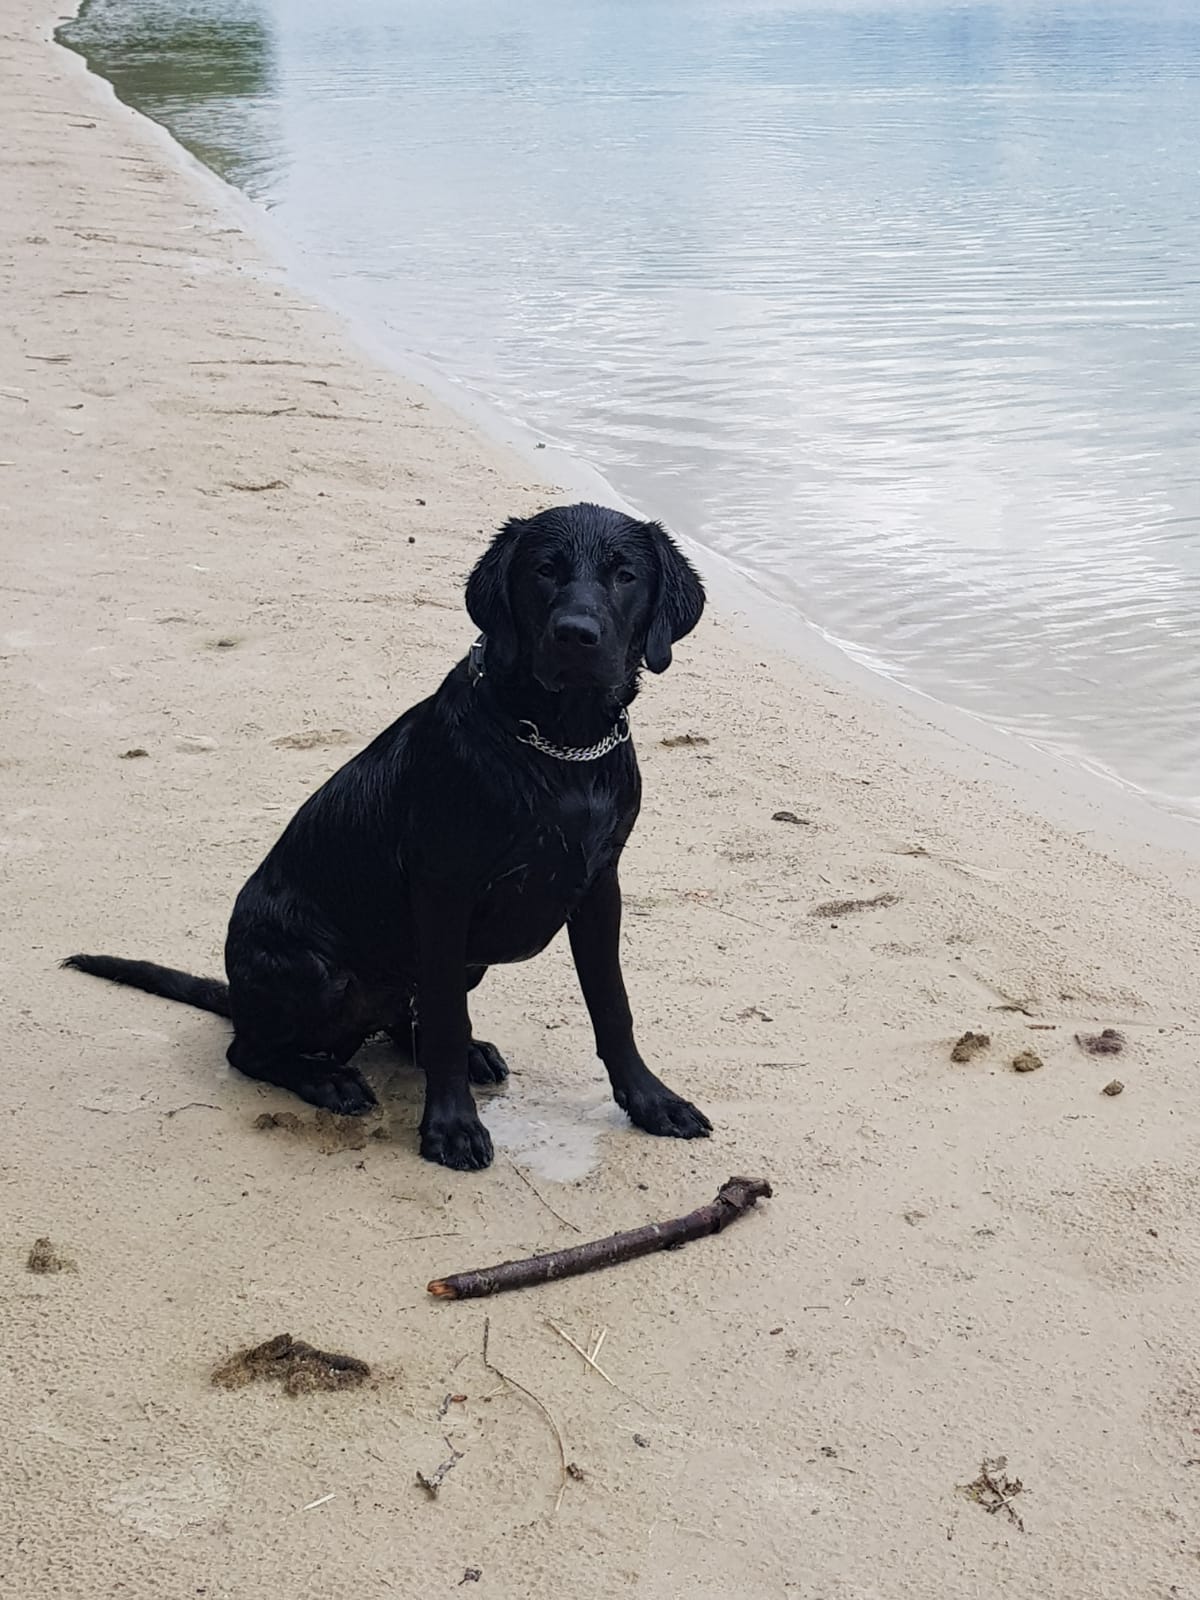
[[528, 734]]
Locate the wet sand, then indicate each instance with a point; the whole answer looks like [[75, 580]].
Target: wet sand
[[235, 545]]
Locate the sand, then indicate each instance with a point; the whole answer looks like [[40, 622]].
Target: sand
[[232, 543]]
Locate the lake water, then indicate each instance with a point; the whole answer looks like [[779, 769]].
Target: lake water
[[896, 306]]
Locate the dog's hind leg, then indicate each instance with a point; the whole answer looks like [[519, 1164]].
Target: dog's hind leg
[[296, 1013], [323, 1078], [485, 1064]]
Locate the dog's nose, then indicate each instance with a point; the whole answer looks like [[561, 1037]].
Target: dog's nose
[[579, 630]]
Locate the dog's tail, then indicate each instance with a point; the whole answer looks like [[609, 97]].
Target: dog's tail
[[208, 994]]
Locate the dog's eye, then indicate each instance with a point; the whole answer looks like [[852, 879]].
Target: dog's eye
[[546, 570], [625, 576]]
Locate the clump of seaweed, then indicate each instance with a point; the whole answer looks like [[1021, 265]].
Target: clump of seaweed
[[969, 1046], [300, 1367], [44, 1258], [995, 1491], [843, 908], [1107, 1043]]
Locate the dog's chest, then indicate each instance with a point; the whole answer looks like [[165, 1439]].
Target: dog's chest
[[543, 875]]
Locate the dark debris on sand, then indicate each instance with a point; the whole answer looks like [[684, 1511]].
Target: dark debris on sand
[[327, 1130], [843, 908], [300, 1367], [278, 1119], [969, 1046], [1108, 1043], [995, 1491], [44, 1258]]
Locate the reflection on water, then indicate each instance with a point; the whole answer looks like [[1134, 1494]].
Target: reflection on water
[[205, 70], [895, 304]]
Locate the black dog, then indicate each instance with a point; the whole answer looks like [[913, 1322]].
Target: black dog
[[466, 835]]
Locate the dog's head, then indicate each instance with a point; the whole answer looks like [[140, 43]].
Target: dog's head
[[581, 596]]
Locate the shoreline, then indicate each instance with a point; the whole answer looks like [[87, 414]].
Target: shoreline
[[237, 545], [1068, 789]]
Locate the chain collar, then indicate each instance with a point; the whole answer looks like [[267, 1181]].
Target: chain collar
[[476, 665], [528, 733]]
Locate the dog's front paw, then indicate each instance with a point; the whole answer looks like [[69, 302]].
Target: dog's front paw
[[485, 1064], [456, 1139], [657, 1110]]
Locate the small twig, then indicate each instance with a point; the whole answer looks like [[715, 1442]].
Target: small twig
[[192, 1105], [711, 905], [540, 1404], [323, 1501], [434, 1481], [254, 411], [566, 1222], [751, 922], [735, 1197]]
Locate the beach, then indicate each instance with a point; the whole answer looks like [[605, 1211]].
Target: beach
[[233, 551]]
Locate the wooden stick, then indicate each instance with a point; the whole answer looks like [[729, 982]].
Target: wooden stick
[[735, 1196]]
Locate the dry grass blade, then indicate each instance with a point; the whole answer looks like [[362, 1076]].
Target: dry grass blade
[[540, 1404], [590, 1359]]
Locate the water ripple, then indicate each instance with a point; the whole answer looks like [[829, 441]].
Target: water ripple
[[894, 305]]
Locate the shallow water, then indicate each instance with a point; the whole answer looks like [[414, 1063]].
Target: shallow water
[[555, 1137], [897, 306]]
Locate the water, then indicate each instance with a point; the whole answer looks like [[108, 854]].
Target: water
[[897, 306]]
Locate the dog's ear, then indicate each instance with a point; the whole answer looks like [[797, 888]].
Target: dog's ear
[[678, 603], [489, 602]]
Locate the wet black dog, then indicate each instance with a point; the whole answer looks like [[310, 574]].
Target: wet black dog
[[465, 836]]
